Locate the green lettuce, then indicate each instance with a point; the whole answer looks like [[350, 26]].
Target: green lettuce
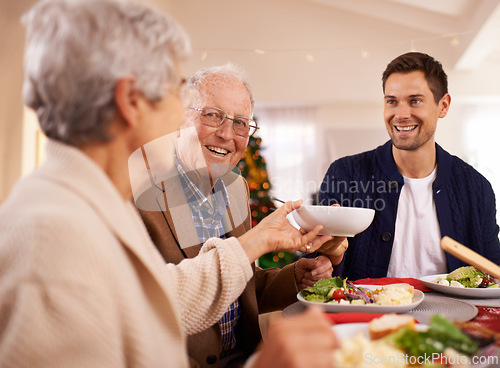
[[442, 333]]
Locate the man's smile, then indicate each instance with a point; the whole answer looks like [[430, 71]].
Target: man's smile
[[405, 128], [217, 150]]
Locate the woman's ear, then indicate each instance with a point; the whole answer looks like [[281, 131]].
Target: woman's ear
[[127, 101]]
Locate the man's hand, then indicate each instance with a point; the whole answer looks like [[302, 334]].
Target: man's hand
[[335, 249], [310, 270]]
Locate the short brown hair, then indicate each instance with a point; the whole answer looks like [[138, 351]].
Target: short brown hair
[[413, 61]]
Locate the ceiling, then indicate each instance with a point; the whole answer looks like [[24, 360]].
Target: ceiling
[[315, 52]]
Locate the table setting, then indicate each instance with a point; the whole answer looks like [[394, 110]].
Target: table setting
[[475, 309], [481, 316]]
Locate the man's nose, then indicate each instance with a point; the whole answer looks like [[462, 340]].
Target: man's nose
[[225, 129], [403, 111]]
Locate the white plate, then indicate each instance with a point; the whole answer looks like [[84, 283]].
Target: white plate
[[349, 330], [418, 297], [467, 292]]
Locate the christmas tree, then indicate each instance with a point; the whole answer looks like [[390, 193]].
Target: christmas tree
[[253, 169]]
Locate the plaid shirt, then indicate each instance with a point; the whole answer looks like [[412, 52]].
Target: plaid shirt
[[207, 218]]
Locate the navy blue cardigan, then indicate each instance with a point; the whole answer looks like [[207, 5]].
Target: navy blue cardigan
[[465, 205]]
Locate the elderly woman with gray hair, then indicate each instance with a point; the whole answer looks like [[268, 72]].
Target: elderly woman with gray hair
[[82, 285]]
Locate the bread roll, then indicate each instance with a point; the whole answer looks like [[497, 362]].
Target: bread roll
[[389, 323]]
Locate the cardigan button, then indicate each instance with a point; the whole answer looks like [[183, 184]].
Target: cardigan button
[[386, 236], [211, 359]]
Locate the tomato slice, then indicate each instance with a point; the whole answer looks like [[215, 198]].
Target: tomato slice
[[338, 294]]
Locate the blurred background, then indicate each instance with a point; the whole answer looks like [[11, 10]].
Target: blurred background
[[315, 67]]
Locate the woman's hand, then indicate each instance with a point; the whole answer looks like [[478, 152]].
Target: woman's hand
[[307, 340], [274, 233]]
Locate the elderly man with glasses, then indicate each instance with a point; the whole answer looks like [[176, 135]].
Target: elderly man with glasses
[[208, 198]]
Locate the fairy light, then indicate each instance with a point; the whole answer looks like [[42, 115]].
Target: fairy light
[[454, 39], [412, 46], [204, 55], [365, 54]]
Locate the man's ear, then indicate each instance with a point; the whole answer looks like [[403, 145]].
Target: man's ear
[[127, 101], [444, 105]]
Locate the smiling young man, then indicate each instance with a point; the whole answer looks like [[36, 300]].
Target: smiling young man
[[205, 198], [419, 191]]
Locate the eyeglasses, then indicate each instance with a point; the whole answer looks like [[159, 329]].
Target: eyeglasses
[[215, 117]]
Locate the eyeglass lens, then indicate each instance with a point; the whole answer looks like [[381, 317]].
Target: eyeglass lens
[[214, 117]]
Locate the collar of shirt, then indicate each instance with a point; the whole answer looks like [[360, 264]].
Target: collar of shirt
[[197, 199]]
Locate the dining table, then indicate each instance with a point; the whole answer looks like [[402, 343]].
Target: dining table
[[481, 316]]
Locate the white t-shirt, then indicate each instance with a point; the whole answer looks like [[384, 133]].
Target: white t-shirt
[[416, 250]]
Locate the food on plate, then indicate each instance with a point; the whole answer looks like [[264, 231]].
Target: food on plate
[[468, 277], [358, 351], [395, 294], [341, 291], [406, 346], [389, 323]]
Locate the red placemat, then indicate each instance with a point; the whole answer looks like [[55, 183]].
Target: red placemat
[[489, 318], [417, 284]]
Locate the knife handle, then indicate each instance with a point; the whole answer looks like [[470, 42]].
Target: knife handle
[[470, 257]]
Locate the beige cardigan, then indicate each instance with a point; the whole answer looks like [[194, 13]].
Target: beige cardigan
[[82, 285]]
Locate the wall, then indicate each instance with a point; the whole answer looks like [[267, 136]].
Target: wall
[[299, 143], [11, 107], [18, 136]]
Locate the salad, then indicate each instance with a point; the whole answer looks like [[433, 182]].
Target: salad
[[408, 346], [341, 291], [468, 277]]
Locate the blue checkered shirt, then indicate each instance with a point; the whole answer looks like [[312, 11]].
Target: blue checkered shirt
[[207, 219]]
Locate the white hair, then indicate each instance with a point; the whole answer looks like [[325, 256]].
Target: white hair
[[77, 50], [228, 70]]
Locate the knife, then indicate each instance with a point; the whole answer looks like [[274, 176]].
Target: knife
[[470, 257]]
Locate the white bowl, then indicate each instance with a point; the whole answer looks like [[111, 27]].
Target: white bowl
[[338, 221]]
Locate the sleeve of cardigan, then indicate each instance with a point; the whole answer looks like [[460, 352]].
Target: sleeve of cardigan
[[207, 284], [490, 226], [275, 288], [335, 183]]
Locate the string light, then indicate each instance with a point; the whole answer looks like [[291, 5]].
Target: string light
[[204, 55], [412, 46], [454, 40], [365, 54]]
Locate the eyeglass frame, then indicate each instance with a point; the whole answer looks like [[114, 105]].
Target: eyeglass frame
[[227, 116]]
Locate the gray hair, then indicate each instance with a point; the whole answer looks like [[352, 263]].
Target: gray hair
[[77, 50], [228, 70]]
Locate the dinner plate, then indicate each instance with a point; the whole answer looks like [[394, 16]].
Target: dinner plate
[[418, 297], [452, 290], [349, 330]]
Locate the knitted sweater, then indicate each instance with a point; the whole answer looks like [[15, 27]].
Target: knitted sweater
[[82, 285], [465, 205]]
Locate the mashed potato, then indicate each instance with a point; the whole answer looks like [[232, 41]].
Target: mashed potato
[[358, 351], [395, 294]]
